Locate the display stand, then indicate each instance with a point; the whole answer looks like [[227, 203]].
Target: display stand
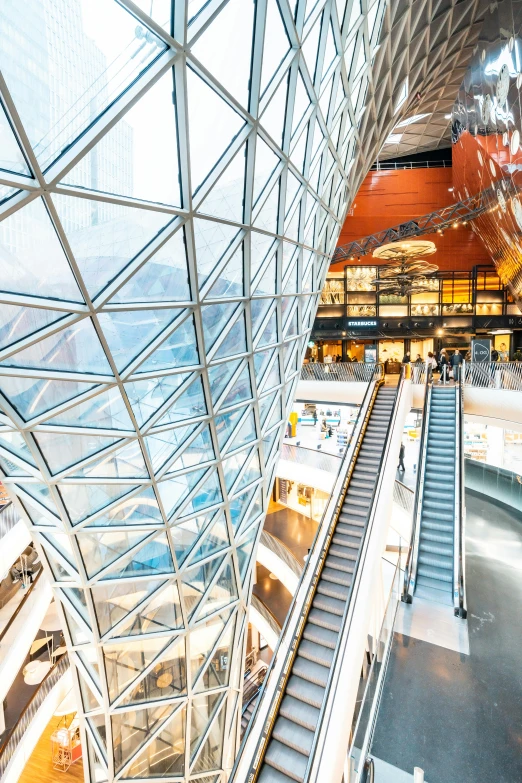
[[66, 746]]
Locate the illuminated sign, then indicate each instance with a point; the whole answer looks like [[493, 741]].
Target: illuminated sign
[[362, 323]]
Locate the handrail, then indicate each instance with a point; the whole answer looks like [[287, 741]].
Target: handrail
[[346, 622], [346, 372], [252, 686], [410, 164], [459, 602], [266, 614], [502, 376], [20, 606], [362, 418], [13, 739], [314, 458], [410, 569], [404, 496], [281, 551], [8, 518]]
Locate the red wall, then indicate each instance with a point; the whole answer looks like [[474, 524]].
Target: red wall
[[387, 198]]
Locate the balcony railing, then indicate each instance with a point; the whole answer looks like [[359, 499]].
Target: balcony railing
[[346, 372], [282, 552], [266, 614], [494, 375], [313, 458], [16, 735], [403, 496], [9, 517], [390, 165]]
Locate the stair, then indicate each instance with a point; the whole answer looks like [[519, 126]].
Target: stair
[[435, 562], [288, 750]]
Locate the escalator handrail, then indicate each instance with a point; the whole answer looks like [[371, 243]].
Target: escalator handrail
[[345, 622], [410, 570], [459, 600], [262, 743]]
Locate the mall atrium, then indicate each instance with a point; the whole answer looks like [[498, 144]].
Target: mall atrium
[[260, 391]]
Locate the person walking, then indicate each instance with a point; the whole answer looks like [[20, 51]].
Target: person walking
[[443, 363], [456, 363], [406, 358], [401, 459]]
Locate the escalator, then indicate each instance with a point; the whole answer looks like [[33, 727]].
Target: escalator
[[289, 741], [435, 569]]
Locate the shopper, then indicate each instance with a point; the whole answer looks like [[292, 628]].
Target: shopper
[[494, 355], [406, 358], [401, 458], [418, 360], [504, 353], [456, 362], [443, 363], [517, 356]]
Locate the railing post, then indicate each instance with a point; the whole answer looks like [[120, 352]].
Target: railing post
[[418, 775]]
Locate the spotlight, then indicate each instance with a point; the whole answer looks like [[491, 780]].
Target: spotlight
[[431, 324], [385, 324], [440, 332], [455, 225]]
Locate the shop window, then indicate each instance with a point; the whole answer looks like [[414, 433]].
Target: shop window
[[360, 278]]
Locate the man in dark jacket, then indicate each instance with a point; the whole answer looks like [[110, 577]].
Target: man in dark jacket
[[406, 358], [456, 362], [443, 364], [401, 458]]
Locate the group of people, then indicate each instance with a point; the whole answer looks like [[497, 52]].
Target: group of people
[[448, 366]]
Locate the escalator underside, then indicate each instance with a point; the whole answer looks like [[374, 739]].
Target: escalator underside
[[287, 754]]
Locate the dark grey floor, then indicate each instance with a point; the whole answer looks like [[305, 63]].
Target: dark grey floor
[[457, 717]]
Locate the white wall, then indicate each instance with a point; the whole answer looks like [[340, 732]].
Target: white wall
[[270, 560], [331, 391], [12, 545]]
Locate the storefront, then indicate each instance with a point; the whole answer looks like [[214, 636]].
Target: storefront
[[493, 445]]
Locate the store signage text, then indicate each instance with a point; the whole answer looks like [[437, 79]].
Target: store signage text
[[362, 323]]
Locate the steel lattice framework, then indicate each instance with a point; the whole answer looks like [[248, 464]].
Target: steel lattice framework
[[173, 178], [438, 220]]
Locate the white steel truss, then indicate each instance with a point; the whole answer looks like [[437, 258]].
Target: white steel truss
[[173, 179]]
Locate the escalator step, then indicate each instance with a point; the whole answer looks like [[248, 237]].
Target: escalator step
[[347, 519], [325, 619], [336, 576], [270, 775], [350, 543], [338, 550], [286, 760], [355, 500], [437, 538], [311, 671], [435, 548], [436, 574], [318, 635], [349, 530], [436, 561], [308, 693], [293, 735], [326, 603], [338, 562], [438, 526], [332, 590]]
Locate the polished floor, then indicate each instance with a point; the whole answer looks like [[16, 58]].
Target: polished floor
[[459, 717], [39, 766], [294, 530], [272, 593]]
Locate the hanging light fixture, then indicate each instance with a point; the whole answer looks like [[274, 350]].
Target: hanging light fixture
[[407, 272]]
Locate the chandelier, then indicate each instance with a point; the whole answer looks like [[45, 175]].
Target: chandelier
[[407, 271]]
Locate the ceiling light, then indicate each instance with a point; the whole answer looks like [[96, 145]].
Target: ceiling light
[[447, 116]]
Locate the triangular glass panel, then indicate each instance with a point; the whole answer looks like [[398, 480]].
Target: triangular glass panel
[[259, 249], [209, 754], [215, 318], [140, 509], [189, 405], [269, 334], [146, 140], [11, 155], [206, 149], [33, 259], [130, 730], [202, 639], [114, 64], [74, 349], [219, 375], [195, 582], [207, 494], [239, 506], [252, 472], [167, 679], [99, 550], [147, 397], [291, 229], [165, 755], [199, 451], [186, 534], [62, 449], [266, 163], [225, 200], [302, 102], [277, 43], [293, 186], [245, 550], [106, 241], [246, 432], [310, 47], [233, 466], [114, 601], [271, 379], [355, 13], [330, 52], [217, 672], [298, 152], [229, 282], [259, 308], [268, 214], [105, 411], [163, 278], [161, 447], [267, 282], [211, 240], [214, 541], [11, 468], [273, 117], [129, 332], [33, 396], [225, 48], [125, 661], [174, 490], [222, 593], [261, 361], [290, 284], [240, 391], [265, 403], [254, 513], [151, 559], [19, 322], [162, 613], [178, 350], [82, 500], [235, 340], [126, 463], [15, 443]]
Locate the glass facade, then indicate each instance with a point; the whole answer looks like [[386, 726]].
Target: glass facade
[[173, 178]]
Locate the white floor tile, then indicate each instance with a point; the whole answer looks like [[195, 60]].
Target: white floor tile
[[387, 773], [434, 623]]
